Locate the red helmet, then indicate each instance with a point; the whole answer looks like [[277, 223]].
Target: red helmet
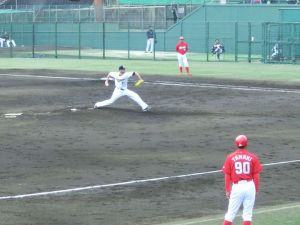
[[241, 141]]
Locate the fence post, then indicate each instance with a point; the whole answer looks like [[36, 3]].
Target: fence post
[[33, 40], [164, 41], [56, 15], [249, 42], [166, 19], [79, 40], [143, 25], [293, 53], [268, 42], [11, 14], [154, 44], [264, 38], [11, 38], [79, 14], [128, 41], [55, 37], [49, 14], [103, 39], [236, 46], [207, 40], [181, 28], [33, 15]]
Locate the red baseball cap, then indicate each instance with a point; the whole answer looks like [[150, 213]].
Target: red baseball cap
[[241, 141]]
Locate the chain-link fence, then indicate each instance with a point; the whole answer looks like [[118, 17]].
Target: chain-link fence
[[281, 42], [138, 16], [242, 41]]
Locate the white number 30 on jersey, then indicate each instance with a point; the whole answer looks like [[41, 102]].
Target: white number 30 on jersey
[[242, 167]]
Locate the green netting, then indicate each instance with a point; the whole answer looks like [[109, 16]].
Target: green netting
[[243, 36], [281, 43]]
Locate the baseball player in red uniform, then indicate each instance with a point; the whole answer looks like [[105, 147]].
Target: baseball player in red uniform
[[181, 49], [241, 169]]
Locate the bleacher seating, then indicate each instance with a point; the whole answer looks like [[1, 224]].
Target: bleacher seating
[[159, 2], [45, 2], [2, 2]]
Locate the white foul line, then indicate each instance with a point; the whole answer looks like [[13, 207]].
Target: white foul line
[[49, 77], [167, 83], [126, 183], [221, 218], [219, 86]]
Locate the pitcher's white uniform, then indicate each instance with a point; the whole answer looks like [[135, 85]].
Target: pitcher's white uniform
[[121, 82], [241, 169]]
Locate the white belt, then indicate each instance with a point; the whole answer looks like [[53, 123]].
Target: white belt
[[243, 181]]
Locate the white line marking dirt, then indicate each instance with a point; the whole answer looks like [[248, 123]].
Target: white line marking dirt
[[167, 83], [256, 212], [48, 77], [232, 87], [126, 183], [12, 115]]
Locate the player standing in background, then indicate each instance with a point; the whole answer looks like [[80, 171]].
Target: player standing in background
[[2, 40], [181, 49], [241, 169], [150, 40], [121, 81]]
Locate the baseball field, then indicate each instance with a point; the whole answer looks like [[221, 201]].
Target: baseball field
[[63, 162]]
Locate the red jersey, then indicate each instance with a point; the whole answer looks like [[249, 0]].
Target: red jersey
[[182, 47], [242, 165]]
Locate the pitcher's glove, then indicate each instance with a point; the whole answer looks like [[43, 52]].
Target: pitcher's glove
[[138, 83]]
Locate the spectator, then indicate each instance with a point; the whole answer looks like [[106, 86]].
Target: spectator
[[151, 36], [2, 40], [276, 53], [217, 49], [8, 40], [175, 13]]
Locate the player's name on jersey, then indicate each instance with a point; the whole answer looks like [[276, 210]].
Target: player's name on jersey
[[241, 157]]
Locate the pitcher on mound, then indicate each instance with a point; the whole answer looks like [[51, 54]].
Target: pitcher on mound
[[121, 81]]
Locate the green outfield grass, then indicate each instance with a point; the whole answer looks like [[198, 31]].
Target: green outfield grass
[[275, 215], [224, 70]]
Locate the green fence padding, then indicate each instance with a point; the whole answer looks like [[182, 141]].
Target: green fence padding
[[290, 15], [241, 29]]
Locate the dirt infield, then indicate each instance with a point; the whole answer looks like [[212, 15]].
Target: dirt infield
[[190, 129]]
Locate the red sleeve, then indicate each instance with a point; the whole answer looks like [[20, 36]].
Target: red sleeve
[[256, 179], [227, 180], [176, 47], [257, 167], [227, 167]]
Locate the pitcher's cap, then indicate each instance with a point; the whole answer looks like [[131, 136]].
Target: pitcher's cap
[[181, 38], [121, 68]]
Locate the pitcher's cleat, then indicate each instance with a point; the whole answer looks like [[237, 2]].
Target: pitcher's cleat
[[147, 109]]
